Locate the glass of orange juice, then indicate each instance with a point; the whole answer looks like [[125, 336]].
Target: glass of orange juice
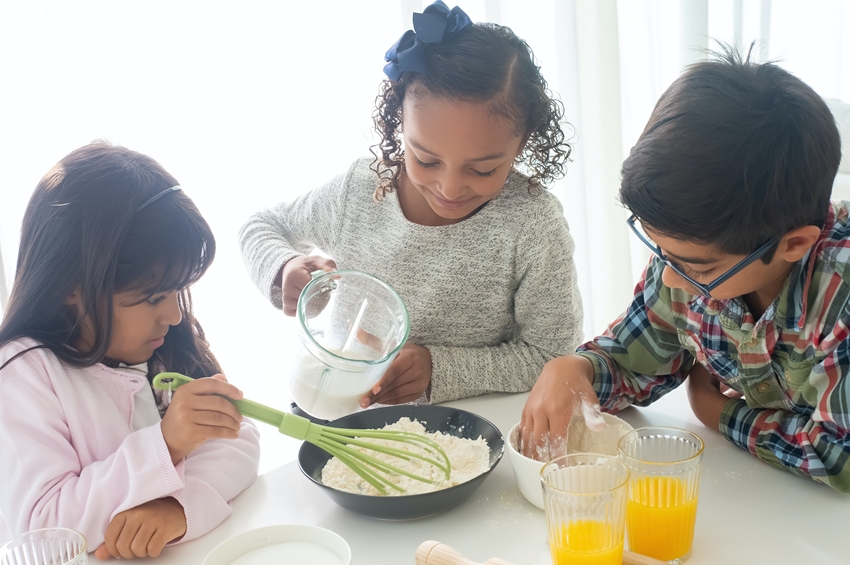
[[584, 496], [664, 466]]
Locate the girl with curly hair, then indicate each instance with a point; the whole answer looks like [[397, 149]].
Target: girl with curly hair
[[452, 212]]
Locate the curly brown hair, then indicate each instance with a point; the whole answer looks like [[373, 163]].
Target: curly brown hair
[[484, 62]]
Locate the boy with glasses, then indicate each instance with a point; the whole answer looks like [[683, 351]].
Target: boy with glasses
[[748, 293]]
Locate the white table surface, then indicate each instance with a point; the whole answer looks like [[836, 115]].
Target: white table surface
[[749, 512]]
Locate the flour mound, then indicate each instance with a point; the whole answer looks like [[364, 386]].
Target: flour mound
[[468, 457]]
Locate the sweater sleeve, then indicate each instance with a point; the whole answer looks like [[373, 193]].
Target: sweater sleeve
[[273, 236], [213, 475], [44, 483], [547, 320]]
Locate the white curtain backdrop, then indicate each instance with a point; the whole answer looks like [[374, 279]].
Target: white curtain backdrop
[[255, 102]]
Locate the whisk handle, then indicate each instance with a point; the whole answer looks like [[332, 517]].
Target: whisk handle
[[255, 410], [166, 381], [259, 412]]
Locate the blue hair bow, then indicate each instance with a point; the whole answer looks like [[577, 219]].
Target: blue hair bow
[[435, 24]]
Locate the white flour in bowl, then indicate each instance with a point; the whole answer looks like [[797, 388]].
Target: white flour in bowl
[[468, 457]]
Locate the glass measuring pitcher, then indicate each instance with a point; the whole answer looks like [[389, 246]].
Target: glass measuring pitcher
[[351, 326]]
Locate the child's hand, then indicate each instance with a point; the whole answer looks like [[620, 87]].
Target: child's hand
[[705, 396], [296, 274], [197, 414], [144, 530], [564, 387], [406, 379]]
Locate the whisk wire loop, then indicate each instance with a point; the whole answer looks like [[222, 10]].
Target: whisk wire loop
[[375, 479], [386, 467], [428, 445]]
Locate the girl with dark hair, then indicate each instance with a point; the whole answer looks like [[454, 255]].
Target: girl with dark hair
[[110, 245], [451, 213]]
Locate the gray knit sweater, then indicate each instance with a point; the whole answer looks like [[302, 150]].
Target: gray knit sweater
[[493, 297]]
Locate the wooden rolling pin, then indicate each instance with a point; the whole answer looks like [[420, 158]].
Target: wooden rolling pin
[[436, 553]]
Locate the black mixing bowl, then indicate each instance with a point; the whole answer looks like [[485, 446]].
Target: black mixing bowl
[[453, 421]]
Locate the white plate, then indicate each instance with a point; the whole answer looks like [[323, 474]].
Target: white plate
[[232, 549]]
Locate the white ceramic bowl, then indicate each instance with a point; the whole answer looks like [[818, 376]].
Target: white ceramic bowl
[[527, 471], [232, 549]]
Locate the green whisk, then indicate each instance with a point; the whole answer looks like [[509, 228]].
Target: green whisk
[[339, 442]]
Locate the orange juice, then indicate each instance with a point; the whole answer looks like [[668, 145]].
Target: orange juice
[[660, 517], [586, 542]]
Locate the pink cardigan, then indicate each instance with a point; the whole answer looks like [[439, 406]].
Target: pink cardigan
[[70, 458]]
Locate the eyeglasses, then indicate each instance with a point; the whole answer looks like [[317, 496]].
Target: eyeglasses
[[704, 289]]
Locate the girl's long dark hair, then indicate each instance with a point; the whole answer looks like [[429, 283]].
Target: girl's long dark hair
[[83, 231]]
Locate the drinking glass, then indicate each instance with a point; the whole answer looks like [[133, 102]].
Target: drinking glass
[[50, 546], [664, 465], [584, 496]]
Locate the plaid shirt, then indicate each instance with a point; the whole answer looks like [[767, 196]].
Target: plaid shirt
[[791, 364]]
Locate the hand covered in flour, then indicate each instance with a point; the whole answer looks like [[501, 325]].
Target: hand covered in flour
[[295, 275], [406, 379], [563, 390]]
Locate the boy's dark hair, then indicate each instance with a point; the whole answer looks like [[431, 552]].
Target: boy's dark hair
[[83, 231], [483, 62], [735, 153]]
